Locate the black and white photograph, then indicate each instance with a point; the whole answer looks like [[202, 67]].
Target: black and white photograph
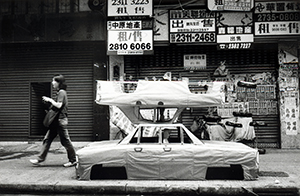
[[149, 97]]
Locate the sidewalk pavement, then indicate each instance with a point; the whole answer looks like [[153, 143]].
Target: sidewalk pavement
[[279, 175]]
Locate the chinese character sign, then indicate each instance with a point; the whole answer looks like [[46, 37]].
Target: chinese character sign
[[124, 25], [277, 18], [129, 8], [232, 5], [192, 26], [161, 25], [130, 42], [195, 61], [234, 30]]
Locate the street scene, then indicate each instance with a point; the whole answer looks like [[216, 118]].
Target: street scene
[[278, 175], [149, 97]]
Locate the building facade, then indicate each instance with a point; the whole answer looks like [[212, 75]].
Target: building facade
[[199, 41]]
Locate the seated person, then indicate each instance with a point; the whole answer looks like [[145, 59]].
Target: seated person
[[221, 70], [166, 134]]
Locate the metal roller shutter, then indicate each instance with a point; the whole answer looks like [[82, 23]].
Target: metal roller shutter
[[25, 65], [263, 58]]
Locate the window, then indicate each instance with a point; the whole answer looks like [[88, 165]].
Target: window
[[160, 134], [158, 114], [147, 134]]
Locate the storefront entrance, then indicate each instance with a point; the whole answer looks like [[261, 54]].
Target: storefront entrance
[[260, 62], [38, 108], [26, 73]]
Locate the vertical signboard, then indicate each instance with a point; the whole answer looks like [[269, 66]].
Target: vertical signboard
[[234, 30], [277, 18], [128, 38], [192, 26], [161, 25]]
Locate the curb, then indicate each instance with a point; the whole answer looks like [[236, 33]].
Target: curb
[[125, 189]]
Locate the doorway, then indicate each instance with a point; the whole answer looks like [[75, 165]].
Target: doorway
[[38, 108]]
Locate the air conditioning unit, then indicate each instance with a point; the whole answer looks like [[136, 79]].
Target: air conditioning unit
[[88, 5]]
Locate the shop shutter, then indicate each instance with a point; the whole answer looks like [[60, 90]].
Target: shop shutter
[[21, 65], [262, 58]]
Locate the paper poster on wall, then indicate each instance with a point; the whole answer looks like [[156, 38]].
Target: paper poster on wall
[[291, 115]]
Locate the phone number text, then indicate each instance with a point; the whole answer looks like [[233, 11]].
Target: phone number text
[[277, 17], [192, 37], [235, 46], [132, 46], [129, 2]]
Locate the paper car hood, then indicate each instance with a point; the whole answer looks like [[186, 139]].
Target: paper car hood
[[157, 93]]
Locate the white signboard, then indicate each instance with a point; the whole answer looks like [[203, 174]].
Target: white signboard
[[161, 25], [230, 5], [277, 28], [277, 7], [192, 26], [277, 18], [194, 61], [129, 8], [124, 25], [234, 30], [130, 42], [236, 38]]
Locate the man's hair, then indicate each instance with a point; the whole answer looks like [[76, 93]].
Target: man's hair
[[61, 80]]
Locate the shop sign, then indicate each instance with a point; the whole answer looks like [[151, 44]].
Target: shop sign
[[277, 18], [130, 42], [192, 26], [161, 25], [227, 46], [129, 8], [194, 61], [124, 25], [230, 5], [234, 30]]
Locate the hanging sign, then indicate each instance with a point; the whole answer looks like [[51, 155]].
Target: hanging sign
[[129, 8], [124, 25], [230, 5], [130, 42], [277, 18], [194, 61], [192, 26], [161, 25], [129, 38], [234, 30]]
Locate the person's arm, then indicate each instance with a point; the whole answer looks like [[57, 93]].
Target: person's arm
[[54, 103]]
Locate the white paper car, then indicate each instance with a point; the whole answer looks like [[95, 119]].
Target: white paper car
[[165, 151]]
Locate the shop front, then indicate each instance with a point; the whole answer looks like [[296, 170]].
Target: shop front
[[200, 43], [37, 43]]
